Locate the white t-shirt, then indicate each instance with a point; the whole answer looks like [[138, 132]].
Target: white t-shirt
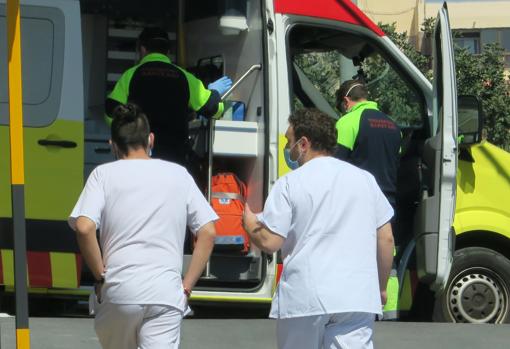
[[328, 211], [142, 208]]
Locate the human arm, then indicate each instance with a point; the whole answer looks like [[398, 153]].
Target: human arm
[[119, 94], [347, 131], [260, 235], [385, 246], [202, 100], [201, 254], [85, 221], [384, 235], [200, 220], [89, 247], [269, 229]]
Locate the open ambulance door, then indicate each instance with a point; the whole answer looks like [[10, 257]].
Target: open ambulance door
[[435, 235]]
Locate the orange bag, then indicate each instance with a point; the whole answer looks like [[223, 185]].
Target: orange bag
[[228, 197]]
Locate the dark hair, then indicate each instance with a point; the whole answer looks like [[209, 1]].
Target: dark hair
[[130, 128], [356, 93], [154, 39], [315, 125]]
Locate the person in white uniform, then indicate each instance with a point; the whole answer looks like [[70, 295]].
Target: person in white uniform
[[331, 221], [141, 207]]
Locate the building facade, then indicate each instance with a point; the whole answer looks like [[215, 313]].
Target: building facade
[[478, 22]]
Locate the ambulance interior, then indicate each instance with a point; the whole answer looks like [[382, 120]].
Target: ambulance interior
[[218, 38]]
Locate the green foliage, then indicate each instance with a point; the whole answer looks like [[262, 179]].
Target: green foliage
[[483, 76], [479, 75], [323, 70], [393, 95]]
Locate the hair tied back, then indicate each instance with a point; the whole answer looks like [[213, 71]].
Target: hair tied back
[[126, 112]]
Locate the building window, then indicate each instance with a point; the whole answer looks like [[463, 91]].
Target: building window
[[468, 40], [505, 42]]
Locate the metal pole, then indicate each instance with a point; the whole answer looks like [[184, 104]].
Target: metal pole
[[17, 173], [207, 274]]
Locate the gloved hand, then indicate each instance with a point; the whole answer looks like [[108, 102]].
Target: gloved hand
[[221, 85]]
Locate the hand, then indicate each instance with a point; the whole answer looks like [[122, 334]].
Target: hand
[[384, 298], [97, 290], [250, 220], [187, 292], [221, 85]]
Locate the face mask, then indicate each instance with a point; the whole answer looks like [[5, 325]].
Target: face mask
[[149, 152], [293, 164]]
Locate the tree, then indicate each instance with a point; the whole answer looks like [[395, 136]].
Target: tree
[[479, 75], [388, 88]]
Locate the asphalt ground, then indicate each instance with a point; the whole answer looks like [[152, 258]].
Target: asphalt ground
[[246, 333]]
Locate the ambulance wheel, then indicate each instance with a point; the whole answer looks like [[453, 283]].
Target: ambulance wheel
[[478, 290]]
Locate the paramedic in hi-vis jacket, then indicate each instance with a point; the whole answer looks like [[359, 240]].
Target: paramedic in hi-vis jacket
[[166, 93], [331, 222], [370, 140], [141, 207]]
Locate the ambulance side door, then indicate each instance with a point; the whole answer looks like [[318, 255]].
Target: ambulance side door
[[53, 117], [435, 235]]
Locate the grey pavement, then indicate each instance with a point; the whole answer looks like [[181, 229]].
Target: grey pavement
[[78, 333]]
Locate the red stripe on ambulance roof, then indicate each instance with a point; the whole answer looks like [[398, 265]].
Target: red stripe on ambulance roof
[[39, 269], [340, 10]]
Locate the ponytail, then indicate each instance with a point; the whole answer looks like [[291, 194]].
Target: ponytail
[[130, 128]]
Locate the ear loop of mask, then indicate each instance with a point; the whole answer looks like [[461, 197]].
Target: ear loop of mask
[[149, 145], [349, 90], [341, 108]]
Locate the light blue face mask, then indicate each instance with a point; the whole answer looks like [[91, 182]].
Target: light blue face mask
[[293, 164]]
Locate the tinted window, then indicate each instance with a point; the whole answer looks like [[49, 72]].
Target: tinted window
[[42, 35]]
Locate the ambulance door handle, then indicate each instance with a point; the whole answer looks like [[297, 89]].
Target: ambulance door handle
[[55, 143]]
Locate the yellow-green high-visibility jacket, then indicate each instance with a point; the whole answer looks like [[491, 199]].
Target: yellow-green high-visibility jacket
[[369, 139], [166, 93]]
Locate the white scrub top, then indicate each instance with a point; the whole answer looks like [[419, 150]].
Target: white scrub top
[[328, 211], [142, 208]]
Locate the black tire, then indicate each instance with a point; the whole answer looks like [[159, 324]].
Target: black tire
[[478, 290]]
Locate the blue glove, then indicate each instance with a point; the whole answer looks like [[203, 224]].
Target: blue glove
[[221, 85]]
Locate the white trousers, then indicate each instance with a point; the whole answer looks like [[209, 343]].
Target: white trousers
[[120, 326], [332, 331]]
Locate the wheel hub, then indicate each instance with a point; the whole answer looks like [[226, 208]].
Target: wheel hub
[[475, 298]]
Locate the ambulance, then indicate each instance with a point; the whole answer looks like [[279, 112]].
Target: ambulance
[[73, 52]]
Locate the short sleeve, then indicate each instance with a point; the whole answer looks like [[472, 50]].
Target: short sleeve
[[277, 214], [91, 201], [347, 131], [119, 95], [120, 91], [199, 212], [383, 210]]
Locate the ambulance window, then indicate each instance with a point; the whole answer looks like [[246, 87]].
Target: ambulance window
[[393, 95], [42, 36], [321, 59], [323, 71]]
